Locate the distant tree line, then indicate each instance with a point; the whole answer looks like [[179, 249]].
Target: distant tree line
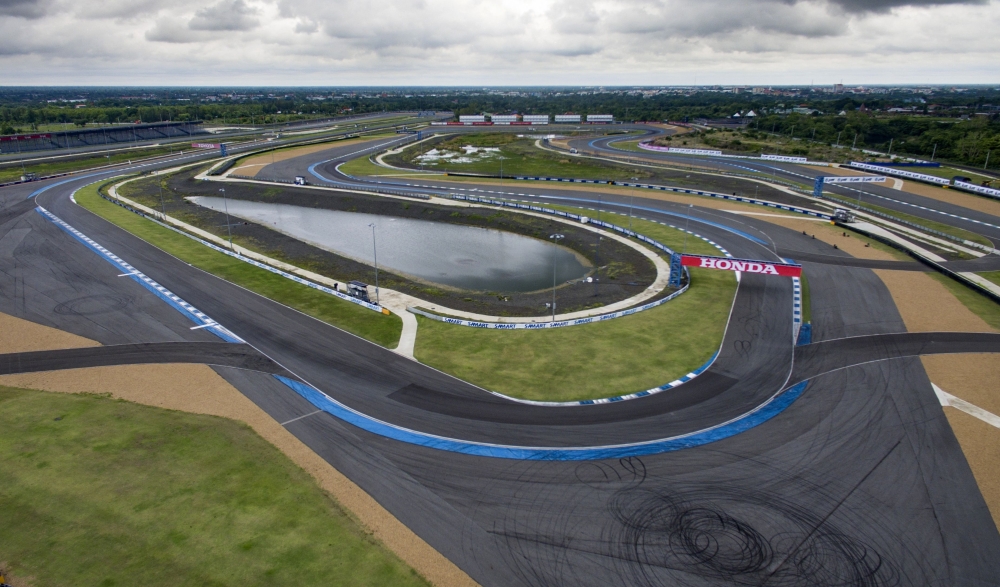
[[947, 120]]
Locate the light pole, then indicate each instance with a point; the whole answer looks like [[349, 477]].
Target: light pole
[[163, 210], [687, 222], [557, 238], [631, 200], [375, 251], [229, 227], [501, 171]]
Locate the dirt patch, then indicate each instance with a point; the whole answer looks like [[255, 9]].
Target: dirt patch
[[927, 306], [972, 377], [981, 444], [23, 336], [252, 165], [10, 579], [203, 391]]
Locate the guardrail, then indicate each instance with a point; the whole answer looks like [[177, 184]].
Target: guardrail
[[254, 262], [553, 324]]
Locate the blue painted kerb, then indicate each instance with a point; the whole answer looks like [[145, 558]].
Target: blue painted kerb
[[763, 413]]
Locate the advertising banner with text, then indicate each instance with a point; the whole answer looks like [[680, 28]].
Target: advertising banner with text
[[744, 265]]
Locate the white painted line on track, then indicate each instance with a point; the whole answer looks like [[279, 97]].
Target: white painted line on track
[[973, 410]]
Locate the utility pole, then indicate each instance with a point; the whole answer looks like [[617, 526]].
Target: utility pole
[[556, 238], [934, 152], [163, 210], [890, 149], [229, 226], [855, 143], [838, 138], [987, 159]]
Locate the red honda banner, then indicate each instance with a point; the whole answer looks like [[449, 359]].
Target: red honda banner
[[745, 265], [25, 137]]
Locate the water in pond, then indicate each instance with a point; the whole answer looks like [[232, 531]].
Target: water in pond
[[464, 257]]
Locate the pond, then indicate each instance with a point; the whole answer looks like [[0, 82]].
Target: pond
[[463, 257]]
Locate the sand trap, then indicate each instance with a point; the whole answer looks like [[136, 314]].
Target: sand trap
[[927, 306], [22, 336], [200, 390]]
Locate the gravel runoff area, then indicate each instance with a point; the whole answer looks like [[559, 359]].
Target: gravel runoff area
[[205, 392], [624, 271]]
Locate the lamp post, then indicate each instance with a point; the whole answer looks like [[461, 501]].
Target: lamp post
[[163, 210], [557, 238], [375, 252], [631, 200], [229, 227], [501, 171]]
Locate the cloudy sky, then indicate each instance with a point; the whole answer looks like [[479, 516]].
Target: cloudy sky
[[498, 42]]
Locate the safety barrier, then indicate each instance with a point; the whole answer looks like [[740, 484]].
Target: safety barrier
[[979, 189], [545, 325], [255, 263], [899, 173]]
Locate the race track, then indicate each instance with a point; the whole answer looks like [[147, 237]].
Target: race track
[[857, 480]]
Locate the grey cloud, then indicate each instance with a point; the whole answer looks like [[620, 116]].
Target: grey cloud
[[861, 6], [306, 26], [168, 30], [227, 15], [23, 8]]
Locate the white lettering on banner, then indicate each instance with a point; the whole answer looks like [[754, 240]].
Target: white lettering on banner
[[978, 188], [784, 158], [707, 262], [899, 172], [854, 179]]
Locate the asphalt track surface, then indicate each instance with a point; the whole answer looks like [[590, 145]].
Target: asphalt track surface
[[859, 481], [881, 195]]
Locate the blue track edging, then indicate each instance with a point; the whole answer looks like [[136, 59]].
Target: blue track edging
[[766, 411], [195, 315]]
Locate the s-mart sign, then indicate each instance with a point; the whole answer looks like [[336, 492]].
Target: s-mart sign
[[744, 265]]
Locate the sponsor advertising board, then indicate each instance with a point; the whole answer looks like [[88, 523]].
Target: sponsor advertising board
[[850, 179], [205, 145], [899, 173], [744, 265], [783, 158], [978, 189], [25, 137]]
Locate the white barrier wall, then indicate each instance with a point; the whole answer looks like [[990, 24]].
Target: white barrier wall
[[783, 158], [899, 173], [993, 193]]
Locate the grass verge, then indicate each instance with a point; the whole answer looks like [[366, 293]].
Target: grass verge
[[598, 360], [378, 328], [13, 171], [976, 302], [105, 492], [590, 361]]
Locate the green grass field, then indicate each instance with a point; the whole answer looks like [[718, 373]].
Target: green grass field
[[378, 328], [13, 171], [106, 493], [590, 361], [520, 157]]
